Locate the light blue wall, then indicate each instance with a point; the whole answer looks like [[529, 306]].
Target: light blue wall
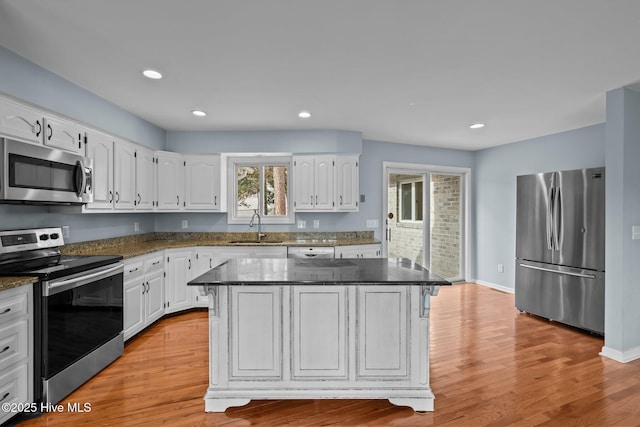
[[26, 81], [285, 141], [622, 298], [29, 82], [495, 191], [374, 153]]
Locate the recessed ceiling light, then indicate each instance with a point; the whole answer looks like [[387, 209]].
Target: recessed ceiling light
[[304, 114], [152, 74], [476, 125], [198, 113]]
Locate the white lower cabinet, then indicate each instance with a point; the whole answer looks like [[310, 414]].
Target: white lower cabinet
[[359, 251], [16, 342], [180, 269], [143, 292]]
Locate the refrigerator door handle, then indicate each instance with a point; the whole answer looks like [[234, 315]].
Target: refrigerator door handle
[[568, 273], [550, 220], [557, 219]]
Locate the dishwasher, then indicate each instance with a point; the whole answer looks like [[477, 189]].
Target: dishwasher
[[306, 252]]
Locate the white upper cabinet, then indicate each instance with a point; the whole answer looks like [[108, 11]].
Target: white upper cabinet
[[326, 183], [64, 134], [170, 170], [313, 183], [100, 149], [20, 121], [145, 179], [347, 183], [32, 125], [202, 178], [124, 175]]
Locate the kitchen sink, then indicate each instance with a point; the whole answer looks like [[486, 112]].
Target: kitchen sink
[[262, 242]]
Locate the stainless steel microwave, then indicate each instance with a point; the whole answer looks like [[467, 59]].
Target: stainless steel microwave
[[35, 174]]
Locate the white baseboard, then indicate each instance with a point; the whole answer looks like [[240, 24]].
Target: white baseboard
[[621, 356], [494, 286]]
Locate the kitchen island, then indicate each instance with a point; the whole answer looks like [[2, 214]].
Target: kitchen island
[[318, 328]]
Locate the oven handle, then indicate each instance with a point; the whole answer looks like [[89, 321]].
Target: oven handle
[[53, 287]]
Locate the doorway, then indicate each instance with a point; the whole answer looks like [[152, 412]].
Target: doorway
[[426, 217]]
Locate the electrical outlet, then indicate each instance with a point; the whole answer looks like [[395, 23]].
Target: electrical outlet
[[500, 268], [316, 223], [185, 223], [136, 226], [302, 223], [635, 232], [66, 231]]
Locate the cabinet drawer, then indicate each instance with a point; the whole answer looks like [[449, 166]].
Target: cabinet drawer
[[154, 263], [14, 343], [13, 387], [13, 306], [133, 269]]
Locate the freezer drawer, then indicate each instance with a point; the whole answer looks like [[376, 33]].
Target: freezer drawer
[[569, 295]]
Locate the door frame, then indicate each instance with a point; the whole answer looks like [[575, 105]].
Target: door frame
[[426, 170]]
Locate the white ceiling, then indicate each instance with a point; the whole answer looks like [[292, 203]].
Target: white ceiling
[[409, 71]]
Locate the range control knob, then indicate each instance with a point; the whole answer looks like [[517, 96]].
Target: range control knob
[[54, 236], [44, 237]]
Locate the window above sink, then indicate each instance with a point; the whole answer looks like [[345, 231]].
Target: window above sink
[[260, 183]]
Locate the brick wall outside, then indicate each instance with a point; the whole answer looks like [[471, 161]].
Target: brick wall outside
[[445, 225]]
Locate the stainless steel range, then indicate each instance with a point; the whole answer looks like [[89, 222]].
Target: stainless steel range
[[78, 309]]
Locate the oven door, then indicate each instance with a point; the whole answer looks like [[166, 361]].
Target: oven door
[[36, 174], [80, 314]]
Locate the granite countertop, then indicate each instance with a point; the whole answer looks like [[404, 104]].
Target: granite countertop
[[10, 282], [355, 271], [133, 246]]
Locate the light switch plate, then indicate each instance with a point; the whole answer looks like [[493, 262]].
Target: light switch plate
[[302, 223], [136, 226], [372, 223], [185, 223], [316, 223]]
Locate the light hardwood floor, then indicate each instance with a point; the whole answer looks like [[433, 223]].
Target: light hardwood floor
[[490, 366]]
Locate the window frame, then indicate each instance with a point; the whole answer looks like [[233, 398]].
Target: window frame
[[413, 201], [258, 160]]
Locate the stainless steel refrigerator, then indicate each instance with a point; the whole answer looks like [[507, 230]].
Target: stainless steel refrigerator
[[560, 246]]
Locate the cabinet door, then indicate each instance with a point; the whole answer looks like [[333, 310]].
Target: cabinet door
[[21, 122], [303, 177], [347, 184], [124, 175], [64, 134], [256, 331], [323, 183], [170, 181], [145, 182], [382, 331], [133, 307], [319, 338], [154, 296], [202, 189], [100, 148], [178, 268]]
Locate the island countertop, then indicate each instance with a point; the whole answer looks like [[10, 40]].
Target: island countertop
[[289, 271]]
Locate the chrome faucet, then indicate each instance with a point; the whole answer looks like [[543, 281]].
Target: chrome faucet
[[259, 235]]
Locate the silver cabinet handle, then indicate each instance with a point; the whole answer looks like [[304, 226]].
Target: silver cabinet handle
[[110, 196], [5, 349], [567, 273], [39, 128], [177, 200], [117, 197], [6, 310], [139, 198], [50, 132]]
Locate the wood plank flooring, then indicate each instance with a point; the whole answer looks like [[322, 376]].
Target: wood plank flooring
[[490, 366]]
